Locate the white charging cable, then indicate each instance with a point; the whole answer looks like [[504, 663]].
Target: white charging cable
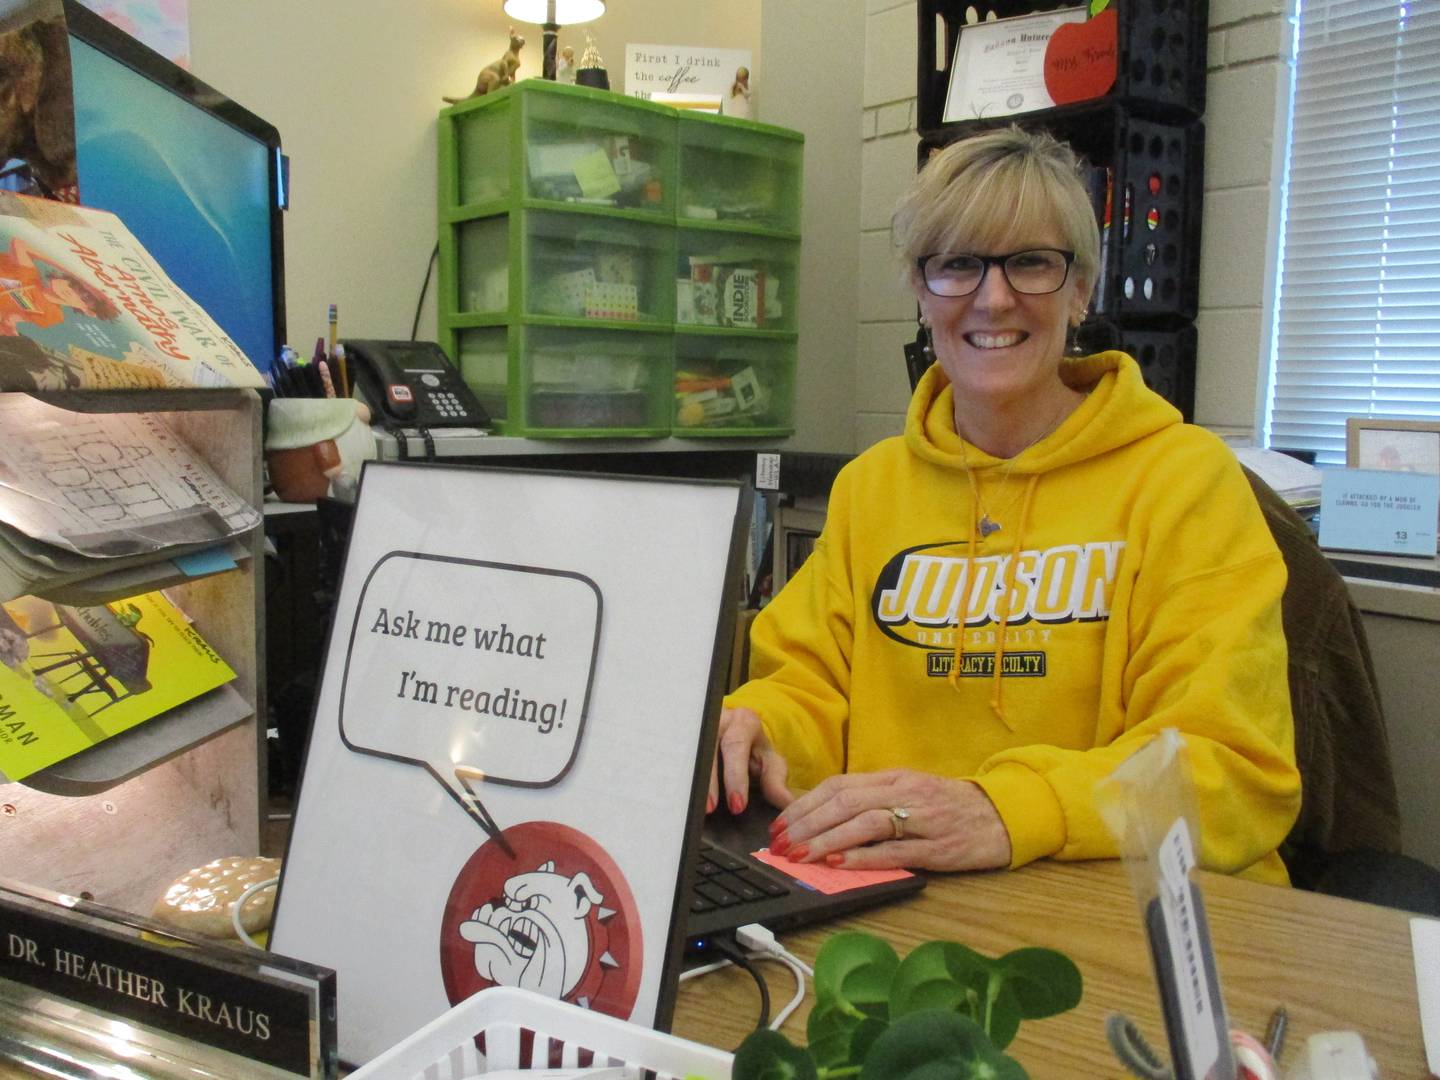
[[760, 944]]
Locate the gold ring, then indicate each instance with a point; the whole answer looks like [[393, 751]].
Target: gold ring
[[898, 816]]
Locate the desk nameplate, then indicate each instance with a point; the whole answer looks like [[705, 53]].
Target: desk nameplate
[[264, 1008]]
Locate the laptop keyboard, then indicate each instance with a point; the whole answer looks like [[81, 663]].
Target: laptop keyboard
[[726, 880]]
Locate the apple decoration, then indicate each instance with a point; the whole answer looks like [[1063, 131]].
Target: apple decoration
[[1080, 59]]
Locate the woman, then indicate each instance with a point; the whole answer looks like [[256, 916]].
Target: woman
[[1045, 571]]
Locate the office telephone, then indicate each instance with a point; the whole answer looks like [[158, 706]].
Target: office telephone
[[412, 384]]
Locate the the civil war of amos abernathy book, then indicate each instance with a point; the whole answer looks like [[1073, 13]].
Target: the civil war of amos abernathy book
[[72, 676], [84, 306]]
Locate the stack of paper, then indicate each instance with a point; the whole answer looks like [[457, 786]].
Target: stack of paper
[[107, 500], [1293, 480]]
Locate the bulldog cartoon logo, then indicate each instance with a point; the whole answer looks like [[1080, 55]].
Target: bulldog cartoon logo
[[537, 938], [557, 919]]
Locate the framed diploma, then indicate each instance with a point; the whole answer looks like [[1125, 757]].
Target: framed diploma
[[999, 66]]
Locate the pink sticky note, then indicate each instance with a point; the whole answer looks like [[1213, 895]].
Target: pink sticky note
[[828, 879]]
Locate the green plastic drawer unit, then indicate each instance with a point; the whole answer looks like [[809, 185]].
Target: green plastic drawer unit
[[549, 141], [739, 171], [592, 382], [735, 280], [484, 357], [578, 266], [727, 386]]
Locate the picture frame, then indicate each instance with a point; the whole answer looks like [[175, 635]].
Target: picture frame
[[797, 528], [1392, 445], [999, 66]]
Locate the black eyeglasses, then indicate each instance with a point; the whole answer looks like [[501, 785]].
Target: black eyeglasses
[[1034, 272]]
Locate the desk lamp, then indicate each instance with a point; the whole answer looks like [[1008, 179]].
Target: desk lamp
[[551, 15]]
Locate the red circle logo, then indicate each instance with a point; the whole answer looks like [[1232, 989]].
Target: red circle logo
[[558, 918]]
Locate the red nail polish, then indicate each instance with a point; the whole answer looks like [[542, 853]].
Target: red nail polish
[[799, 853], [736, 802], [776, 827], [835, 858], [710, 804], [780, 844]]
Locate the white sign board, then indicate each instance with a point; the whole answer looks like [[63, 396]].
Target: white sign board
[[683, 75], [510, 744]]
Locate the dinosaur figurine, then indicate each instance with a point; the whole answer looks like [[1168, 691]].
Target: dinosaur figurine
[[497, 74]]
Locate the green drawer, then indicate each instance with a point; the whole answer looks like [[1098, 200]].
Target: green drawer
[[552, 381], [592, 382], [484, 362], [726, 279], [739, 171], [730, 386], [585, 266], [483, 265], [554, 141]]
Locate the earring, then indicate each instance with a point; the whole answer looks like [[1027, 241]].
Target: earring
[[925, 339]]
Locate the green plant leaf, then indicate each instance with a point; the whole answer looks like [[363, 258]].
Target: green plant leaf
[[1097, 6], [1043, 981], [829, 1031], [863, 1038], [854, 969], [941, 975], [1002, 1020], [768, 1055], [938, 1044]]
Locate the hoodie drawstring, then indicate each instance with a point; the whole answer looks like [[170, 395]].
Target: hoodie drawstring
[[998, 687]]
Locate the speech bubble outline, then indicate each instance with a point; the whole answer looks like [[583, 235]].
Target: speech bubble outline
[[457, 783]]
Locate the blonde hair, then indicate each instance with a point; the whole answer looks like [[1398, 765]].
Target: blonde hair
[[987, 192]]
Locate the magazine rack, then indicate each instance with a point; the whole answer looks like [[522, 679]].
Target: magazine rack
[[525, 1030], [119, 822]]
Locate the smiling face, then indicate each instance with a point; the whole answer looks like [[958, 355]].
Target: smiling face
[[1001, 348], [998, 193]]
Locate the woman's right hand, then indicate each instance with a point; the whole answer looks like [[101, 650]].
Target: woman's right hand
[[743, 751]]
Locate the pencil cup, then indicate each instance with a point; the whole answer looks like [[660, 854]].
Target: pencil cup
[[314, 443]]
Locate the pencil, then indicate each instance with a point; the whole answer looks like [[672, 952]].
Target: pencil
[[341, 370]]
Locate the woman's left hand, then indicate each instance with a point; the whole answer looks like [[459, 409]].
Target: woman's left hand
[[853, 821]]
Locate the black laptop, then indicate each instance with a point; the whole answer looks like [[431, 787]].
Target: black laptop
[[730, 888]]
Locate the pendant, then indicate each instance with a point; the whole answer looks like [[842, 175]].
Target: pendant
[[987, 526]]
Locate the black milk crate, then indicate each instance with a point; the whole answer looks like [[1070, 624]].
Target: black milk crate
[[1160, 57], [1166, 357], [1150, 255]]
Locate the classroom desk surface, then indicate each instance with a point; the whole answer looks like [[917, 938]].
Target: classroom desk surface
[[1333, 964]]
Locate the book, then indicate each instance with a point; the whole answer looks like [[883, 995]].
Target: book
[[72, 677], [84, 306]]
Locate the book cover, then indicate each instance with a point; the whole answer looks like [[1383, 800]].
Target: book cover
[[83, 306], [71, 677]]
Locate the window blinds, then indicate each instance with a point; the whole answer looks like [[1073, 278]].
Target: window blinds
[[1358, 321]]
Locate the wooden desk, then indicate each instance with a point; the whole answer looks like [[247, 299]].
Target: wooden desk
[[1333, 964]]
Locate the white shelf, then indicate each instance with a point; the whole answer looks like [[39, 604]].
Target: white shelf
[[121, 821]]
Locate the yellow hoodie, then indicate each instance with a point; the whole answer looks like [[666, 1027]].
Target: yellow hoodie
[[1145, 594]]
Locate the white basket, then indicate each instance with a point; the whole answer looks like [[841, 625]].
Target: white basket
[[444, 1049]]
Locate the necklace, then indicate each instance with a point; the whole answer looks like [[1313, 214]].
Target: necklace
[[988, 525]]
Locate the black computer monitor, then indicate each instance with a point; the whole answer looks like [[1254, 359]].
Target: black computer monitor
[[197, 178]]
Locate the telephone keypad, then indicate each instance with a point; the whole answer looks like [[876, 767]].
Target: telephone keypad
[[447, 405]]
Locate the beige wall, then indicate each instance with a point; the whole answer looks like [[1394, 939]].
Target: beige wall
[[1244, 122], [355, 99], [354, 87]]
